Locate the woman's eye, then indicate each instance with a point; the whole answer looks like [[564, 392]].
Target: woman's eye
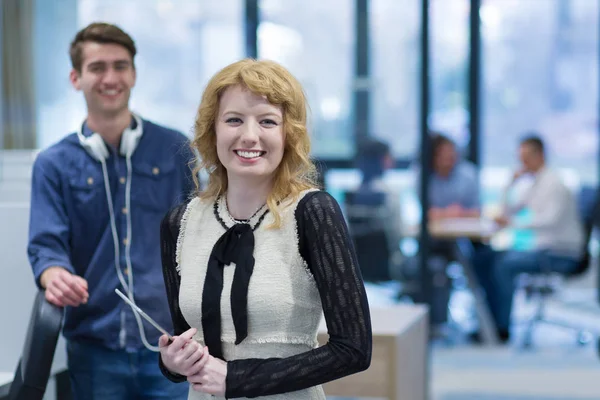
[[233, 120], [269, 122]]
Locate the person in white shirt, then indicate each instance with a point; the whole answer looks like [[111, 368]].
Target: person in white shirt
[[556, 224]]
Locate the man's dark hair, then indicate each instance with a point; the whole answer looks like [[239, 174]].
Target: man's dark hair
[[372, 149], [99, 32], [535, 141]]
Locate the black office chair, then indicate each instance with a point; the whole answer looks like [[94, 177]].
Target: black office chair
[[542, 286], [366, 213], [34, 367]]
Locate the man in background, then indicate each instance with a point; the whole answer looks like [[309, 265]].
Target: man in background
[[555, 223]]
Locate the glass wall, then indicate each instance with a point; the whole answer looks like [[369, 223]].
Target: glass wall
[[395, 31], [540, 73], [395, 64], [180, 45], [1, 88], [315, 40], [449, 66], [539, 64]]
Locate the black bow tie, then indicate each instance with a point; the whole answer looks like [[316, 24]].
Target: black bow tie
[[236, 245]]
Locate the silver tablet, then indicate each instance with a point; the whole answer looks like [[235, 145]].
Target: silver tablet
[[143, 314]]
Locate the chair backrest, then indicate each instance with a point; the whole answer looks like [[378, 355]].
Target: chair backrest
[[366, 212], [34, 368], [588, 202]]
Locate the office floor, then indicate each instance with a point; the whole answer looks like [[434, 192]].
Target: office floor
[[555, 368], [560, 373]]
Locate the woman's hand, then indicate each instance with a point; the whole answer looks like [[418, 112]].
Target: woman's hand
[[211, 377], [183, 355], [435, 214]]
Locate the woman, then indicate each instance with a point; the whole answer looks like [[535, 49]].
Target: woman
[[253, 261]]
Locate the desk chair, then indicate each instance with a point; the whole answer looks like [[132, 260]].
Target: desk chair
[[542, 286], [34, 367], [366, 213]]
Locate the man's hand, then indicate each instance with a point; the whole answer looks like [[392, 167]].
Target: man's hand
[[517, 174], [502, 221], [435, 214], [63, 288], [454, 211]]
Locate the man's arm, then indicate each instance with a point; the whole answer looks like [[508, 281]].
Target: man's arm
[[511, 209], [48, 248]]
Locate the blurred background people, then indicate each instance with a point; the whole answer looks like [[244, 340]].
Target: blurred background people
[[554, 220], [374, 214], [454, 184]]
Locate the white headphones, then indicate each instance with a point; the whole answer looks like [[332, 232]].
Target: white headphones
[[95, 146]]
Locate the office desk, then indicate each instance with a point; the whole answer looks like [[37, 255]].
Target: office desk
[[460, 232], [454, 228], [481, 229], [399, 363]]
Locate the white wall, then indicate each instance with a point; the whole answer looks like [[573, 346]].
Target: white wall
[[17, 288]]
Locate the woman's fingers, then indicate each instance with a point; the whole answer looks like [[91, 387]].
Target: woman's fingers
[[198, 365]]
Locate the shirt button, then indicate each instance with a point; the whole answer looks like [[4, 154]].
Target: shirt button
[[126, 271], [125, 241], [124, 210], [122, 180], [90, 180], [155, 170]]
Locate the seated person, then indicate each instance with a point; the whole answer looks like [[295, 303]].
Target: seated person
[[453, 193], [454, 184], [555, 223], [373, 212]]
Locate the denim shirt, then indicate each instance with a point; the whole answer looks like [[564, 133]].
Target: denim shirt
[[460, 187], [70, 227]]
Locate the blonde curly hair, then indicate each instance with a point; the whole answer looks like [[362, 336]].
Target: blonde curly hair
[[296, 172]]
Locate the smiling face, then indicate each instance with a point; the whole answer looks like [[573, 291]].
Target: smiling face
[[250, 136], [106, 78]]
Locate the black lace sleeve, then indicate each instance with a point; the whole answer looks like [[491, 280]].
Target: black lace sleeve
[[329, 253], [169, 232]]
